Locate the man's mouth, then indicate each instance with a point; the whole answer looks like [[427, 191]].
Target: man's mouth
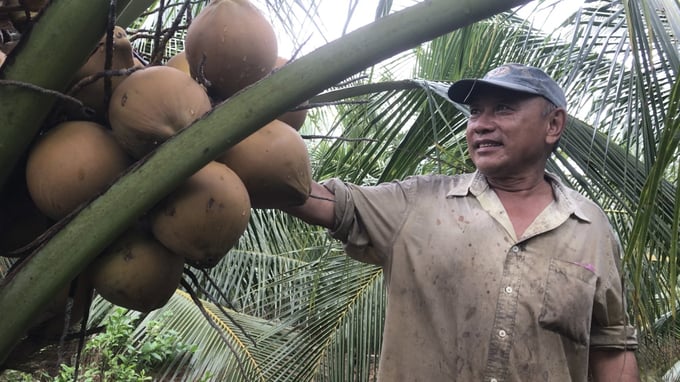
[[487, 144]]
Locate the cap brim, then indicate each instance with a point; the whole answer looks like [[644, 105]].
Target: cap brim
[[463, 91]]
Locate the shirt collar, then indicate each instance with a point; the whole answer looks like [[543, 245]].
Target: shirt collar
[[475, 183]]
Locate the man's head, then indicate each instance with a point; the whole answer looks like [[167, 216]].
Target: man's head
[[516, 119]]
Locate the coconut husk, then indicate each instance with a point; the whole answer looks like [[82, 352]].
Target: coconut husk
[[274, 165]]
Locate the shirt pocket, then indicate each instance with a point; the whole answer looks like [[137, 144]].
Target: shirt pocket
[[568, 300]]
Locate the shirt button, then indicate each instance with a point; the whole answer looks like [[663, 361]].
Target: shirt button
[[502, 333], [515, 249], [508, 289]]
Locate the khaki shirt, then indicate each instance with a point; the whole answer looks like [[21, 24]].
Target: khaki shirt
[[469, 301]]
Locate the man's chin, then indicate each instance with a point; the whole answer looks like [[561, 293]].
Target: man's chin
[[496, 172], [490, 169]]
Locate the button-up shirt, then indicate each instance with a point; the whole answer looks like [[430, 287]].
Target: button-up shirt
[[470, 301]]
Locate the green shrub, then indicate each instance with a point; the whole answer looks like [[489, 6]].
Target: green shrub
[[110, 356]]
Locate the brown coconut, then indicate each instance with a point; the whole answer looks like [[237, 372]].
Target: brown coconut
[[204, 218], [179, 61], [138, 63], [137, 272], [294, 118], [93, 93], [231, 45], [72, 163], [153, 104], [274, 165]]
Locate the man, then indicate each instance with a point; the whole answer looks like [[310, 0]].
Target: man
[[504, 274]]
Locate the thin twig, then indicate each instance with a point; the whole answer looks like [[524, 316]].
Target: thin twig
[[145, 34], [212, 299], [151, 12], [205, 313], [217, 288], [157, 34], [167, 35], [41, 90], [95, 77], [83, 325], [299, 48]]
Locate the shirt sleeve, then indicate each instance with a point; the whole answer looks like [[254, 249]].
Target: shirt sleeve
[[611, 328], [367, 218]]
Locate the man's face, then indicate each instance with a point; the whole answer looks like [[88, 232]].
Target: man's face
[[508, 133]]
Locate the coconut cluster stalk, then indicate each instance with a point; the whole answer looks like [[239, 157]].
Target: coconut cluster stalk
[[99, 223]]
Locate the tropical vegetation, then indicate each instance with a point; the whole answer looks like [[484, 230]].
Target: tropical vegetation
[[288, 305]]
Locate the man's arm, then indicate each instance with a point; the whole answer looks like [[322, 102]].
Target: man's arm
[[319, 209], [613, 366]]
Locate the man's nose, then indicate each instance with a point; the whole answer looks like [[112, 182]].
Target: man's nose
[[481, 123]]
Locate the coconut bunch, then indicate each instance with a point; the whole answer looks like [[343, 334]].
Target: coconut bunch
[[229, 46], [75, 161]]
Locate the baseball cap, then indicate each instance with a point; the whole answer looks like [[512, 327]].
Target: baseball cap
[[517, 77]]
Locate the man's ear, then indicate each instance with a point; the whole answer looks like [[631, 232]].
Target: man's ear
[[557, 121]]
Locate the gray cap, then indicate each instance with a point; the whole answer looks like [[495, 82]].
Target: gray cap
[[517, 77]]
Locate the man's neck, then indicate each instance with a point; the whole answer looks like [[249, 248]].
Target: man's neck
[[523, 185], [523, 198]]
